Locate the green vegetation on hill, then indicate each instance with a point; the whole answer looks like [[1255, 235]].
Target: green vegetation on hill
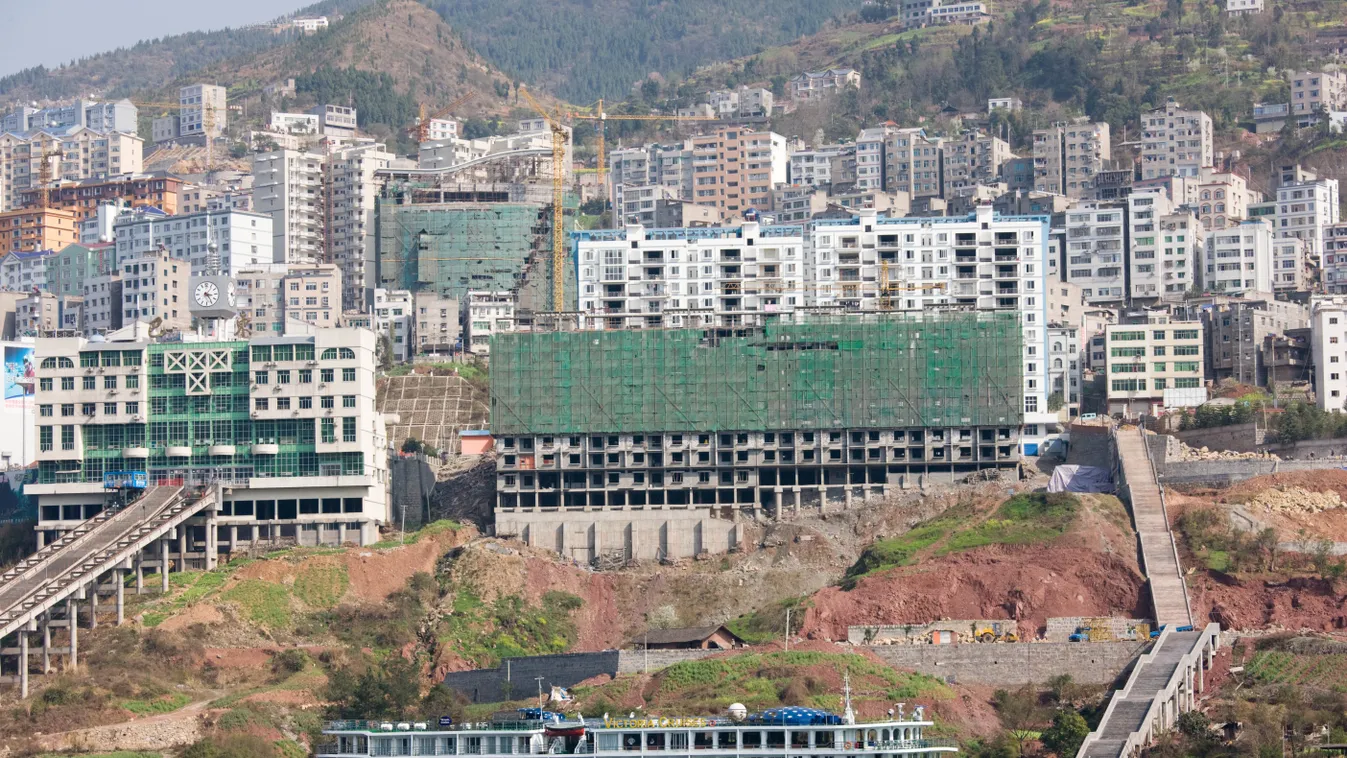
[[373, 95], [768, 680], [487, 633], [563, 44], [1026, 518], [767, 624]]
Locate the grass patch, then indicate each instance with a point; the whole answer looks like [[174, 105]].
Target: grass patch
[[322, 585], [411, 538], [263, 602], [510, 627], [152, 619], [766, 624], [165, 704], [1026, 518], [291, 749], [1217, 560]]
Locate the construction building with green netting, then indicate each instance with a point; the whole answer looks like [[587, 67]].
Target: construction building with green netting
[[658, 443]]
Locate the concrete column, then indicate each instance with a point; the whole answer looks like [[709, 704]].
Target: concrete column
[[46, 642], [182, 547], [212, 542], [23, 663], [73, 619], [140, 572], [233, 538], [41, 539], [1202, 672], [120, 579], [341, 533], [93, 605], [163, 565]]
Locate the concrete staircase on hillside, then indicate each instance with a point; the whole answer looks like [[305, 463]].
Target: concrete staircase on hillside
[[1160, 559]]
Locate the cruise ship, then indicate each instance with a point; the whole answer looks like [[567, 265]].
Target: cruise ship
[[791, 732]]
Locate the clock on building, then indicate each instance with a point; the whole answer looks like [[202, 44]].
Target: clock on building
[[207, 294]]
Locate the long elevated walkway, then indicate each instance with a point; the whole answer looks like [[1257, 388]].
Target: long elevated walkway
[[1164, 683], [1159, 556], [42, 591]]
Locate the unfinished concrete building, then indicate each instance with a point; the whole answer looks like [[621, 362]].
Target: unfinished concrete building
[[658, 443]]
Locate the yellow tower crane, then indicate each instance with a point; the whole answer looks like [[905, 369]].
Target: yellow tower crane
[[603, 117], [558, 198], [422, 127], [44, 177]]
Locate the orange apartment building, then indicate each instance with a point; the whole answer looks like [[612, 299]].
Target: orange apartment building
[[735, 169], [84, 197], [31, 229]]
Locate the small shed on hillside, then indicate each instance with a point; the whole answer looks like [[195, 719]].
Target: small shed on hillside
[[690, 638]]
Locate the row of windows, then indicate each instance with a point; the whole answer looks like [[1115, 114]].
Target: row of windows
[[1139, 385], [111, 382], [88, 409], [283, 403], [304, 376]]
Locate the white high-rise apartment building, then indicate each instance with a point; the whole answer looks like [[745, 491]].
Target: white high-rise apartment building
[[1335, 258], [1164, 244], [1328, 343], [913, 163], [1068, 156], [1238, 259], [202, 110], [1304, 211], [982, 261], [1095, 255], [352, 232], [720, 276], [243, 239], [395, 318], [1175, 142], [485, 314], [288, 186]]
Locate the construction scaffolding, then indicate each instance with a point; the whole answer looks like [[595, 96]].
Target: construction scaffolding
[[819, 372], [451, 248]]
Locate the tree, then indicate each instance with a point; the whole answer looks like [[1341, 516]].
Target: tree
[[411, 445], [1267, 542], [1066, 734], [1020, 714]]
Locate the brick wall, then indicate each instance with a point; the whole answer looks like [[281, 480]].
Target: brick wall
[[516, 678]]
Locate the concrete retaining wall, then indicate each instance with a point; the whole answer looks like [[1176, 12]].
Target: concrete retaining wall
[[912, 634], [1223, 473], [635, 661], [639, 533], [1015, 664], [1240, 438], [516, 677]]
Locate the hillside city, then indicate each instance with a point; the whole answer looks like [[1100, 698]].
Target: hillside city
[[892, 378]]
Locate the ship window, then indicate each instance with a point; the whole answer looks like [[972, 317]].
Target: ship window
[[752, 739], [678, 740], [608, 741], [823, 739], [701, 740], [799, 739], [654, 741], [776, 740], [726, 741]]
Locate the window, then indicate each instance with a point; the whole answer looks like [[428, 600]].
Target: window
[[67, 383], [44, 385], [1127, 336], [88, 409], [260, 404], [1185, 365], [1128, 385], [328, 430], [348, 401], [348, 429], [67, 409], [1185, 334], [1157, 351], [133, 409], [348, 375], [260, 377], [44, 410], [1031, 404], [1186, 349], [325, 375], [282, 403], [89, 383], [328, 401], [133, 381], [1160, 367], [1128, 352], [110, 382], [1187, 384], [306, 376], [109, 409], [305, 403], [67, 438], [283, 377]]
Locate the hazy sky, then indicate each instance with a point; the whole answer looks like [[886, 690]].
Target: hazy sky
[[84, 27]]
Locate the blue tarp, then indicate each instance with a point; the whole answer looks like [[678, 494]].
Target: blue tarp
[[795, 716]]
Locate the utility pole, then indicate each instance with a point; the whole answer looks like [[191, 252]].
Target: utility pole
[[540, 694], [787, 630]]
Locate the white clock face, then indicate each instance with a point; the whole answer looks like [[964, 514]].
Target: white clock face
[[207, 293], [231, 294]]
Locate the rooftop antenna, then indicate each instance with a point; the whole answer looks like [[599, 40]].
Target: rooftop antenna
[[848, 713]]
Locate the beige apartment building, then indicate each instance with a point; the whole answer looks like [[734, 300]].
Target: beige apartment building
[[1315, 91], [278, 298], [735, 170], [155, 286], [914, 163], [438, 322], [1153, 365], [1069, 155], [83, 154]]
